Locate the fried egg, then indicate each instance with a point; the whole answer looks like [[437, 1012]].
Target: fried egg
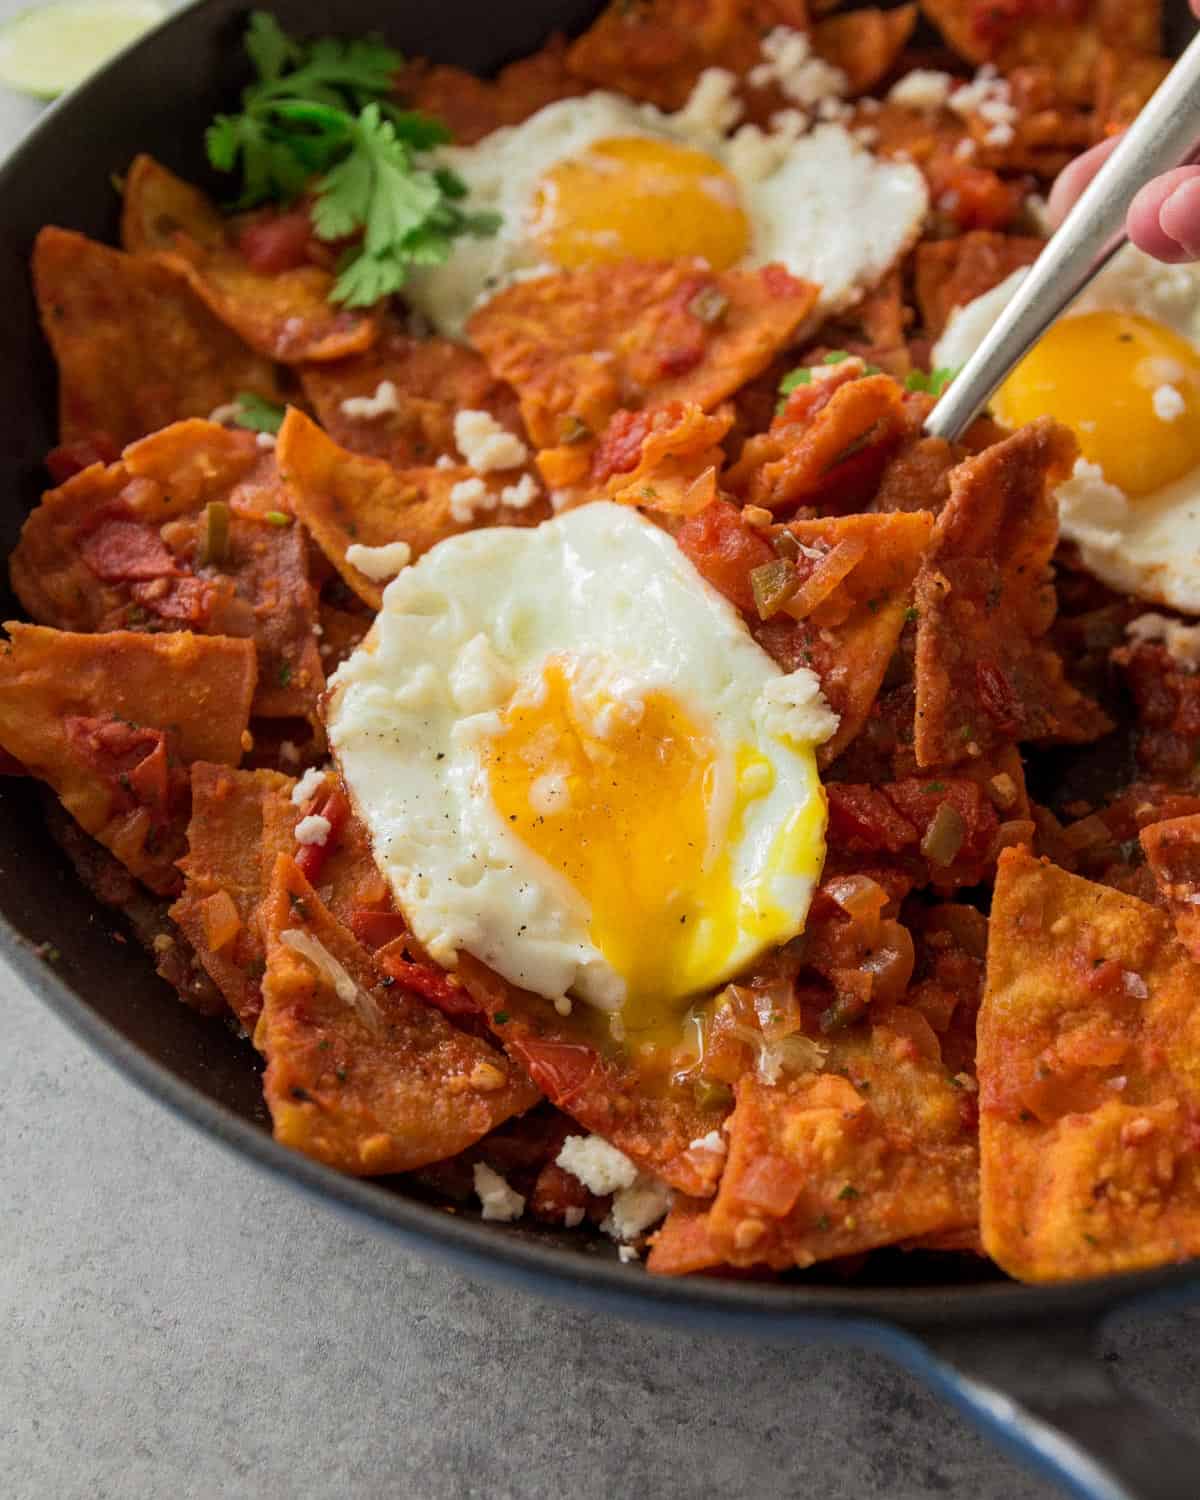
[[601, 178], [576, 764], [1121, 368]]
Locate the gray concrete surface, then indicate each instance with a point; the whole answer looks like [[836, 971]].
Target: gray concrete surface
[[174, 1326]]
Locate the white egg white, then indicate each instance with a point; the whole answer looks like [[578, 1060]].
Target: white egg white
[[1148, 546], [821, 205], [472, 623]]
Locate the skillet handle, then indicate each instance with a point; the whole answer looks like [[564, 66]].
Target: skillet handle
[[1043, 1390]]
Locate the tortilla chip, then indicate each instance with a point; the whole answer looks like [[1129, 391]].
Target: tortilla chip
[[231, 856], [664, 460], [1088, 1040], [1125, 83], [136, 349], [851, 635], [877, 1147], [344, 498], [285, 315], [349, 879], [864, 44], [578, 346], [951, 273], [827, 447], [96, 555], [108, 720], [473, 107], [682, 1245], [433, 378], [654, 1127], [985, 674], [361, 1074], [657, 51], [1173, 854], [1071, 47]]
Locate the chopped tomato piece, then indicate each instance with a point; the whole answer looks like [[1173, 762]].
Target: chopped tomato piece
[[69, 459], [335, 807], [725, 550], [277, 241]]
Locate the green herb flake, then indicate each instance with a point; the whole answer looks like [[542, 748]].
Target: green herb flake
[[277, 518], [933, 787], [835, 357], [285, 673], [257, 414], [794, 378], [501, 1018], [848, 1192], [911, 615]]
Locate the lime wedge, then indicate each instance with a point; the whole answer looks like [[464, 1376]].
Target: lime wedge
[[48, 50]]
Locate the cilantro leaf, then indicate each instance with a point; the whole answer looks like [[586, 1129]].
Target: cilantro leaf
[[793, 378], [257, 413], [320, 117]]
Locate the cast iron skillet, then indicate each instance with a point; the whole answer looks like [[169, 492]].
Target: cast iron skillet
[[1019, 1360]]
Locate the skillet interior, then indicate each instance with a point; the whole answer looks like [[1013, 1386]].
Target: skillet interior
[[158, 98]]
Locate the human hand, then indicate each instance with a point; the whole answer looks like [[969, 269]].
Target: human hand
[[1164, 217]]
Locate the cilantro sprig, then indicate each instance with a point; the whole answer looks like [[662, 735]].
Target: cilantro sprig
[[319, 118]]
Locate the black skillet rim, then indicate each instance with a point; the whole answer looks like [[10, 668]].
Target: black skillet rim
[[599, 1282]]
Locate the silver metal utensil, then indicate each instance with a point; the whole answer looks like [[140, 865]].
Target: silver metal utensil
[[1166, 134]]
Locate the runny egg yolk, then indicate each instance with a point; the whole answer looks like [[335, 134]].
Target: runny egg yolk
[[1098, 373], [625, 802], [643, 199]]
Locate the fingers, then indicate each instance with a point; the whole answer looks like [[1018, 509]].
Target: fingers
[[1164, 218], [1076, 175]]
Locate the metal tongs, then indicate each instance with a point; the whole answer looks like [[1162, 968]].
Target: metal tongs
[[1166, 134]]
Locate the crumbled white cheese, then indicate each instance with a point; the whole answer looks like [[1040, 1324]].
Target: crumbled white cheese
[[865, 135], [597, 1164], [346, 989], [966, 149], [792, 707], [573, 1217], [289, 753], [989, 97], [379, 563], [626, 1254], [789, 62], [498, 1200], [469, 498], [635, 1208], [479, 679], [1182, 641], [1091, 511], [485, 444], [753, 154], [713, 1141], [564, 1005], [445, 462], [1169, 404], [385, 399], [923, 88], [229, 412], [313, 830], [308, 786], [264, 439], [712, 108], [523, 493]]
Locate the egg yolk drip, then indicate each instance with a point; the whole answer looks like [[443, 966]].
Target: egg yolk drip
[[1098, 373], [625, 800], [641, 199]]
